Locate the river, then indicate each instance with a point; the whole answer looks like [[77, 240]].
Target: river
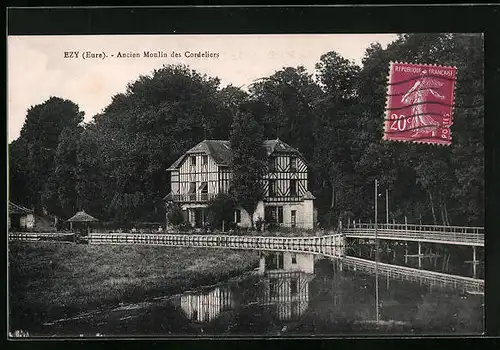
[[290, 294]]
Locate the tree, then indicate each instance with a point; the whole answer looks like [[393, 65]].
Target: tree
[[60, 194], [37, 146], [221, 209], [248, 162], [174, 215], [284, 105], [336, 134]]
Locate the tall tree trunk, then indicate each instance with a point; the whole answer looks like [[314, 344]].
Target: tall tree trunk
[[446, 215], [441, 210], [432, 208], [332, 205]]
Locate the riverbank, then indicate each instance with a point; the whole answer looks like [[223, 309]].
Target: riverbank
[[54, 280]]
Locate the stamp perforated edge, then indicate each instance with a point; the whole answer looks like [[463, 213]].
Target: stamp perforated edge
[[388, 97]]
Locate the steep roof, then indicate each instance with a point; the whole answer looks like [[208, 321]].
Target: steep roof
[[220, 151], [17, 209], [279, 146], [82, 216]]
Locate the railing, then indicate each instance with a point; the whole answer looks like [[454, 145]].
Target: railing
[[423, 233], [466, 284], [40, 236], [327, 245], [193, 197]]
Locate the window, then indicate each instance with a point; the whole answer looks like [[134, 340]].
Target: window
[[274, 214], [237, 216], [293, 163], [294, 218], [192, 187], [293, 187], [280, 214], [194, 316], [192, 191], [204, 190], [272, 188], [294, 258], [293, 286], [193, 160], [204, 160], [272, 164]]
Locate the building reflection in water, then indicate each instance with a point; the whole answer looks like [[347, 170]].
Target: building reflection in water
[[206, 305], [285, 282]]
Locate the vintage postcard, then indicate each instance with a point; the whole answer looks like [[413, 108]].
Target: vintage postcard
[[245, 185]]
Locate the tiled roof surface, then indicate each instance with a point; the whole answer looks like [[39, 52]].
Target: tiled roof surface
[[220, 150], [82, 216]]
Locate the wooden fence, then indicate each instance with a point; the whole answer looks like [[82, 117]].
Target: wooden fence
[[41, 236], [466, 284], [327, 245]]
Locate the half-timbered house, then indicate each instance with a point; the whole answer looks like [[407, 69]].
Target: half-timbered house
[[204, 171]]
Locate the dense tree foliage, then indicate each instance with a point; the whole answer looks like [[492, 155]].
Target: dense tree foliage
[[248, 162], [34, 154], [114, 167], [221, 209]]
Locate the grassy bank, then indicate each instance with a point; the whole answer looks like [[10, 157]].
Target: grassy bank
[[51, 280]]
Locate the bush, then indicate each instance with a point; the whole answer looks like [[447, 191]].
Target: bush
[[221, 208], [174, 215]]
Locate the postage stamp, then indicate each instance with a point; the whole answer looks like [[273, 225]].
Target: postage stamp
[[419, 106]]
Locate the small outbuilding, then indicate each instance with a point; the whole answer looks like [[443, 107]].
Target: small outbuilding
[[20, 217], [81, 222]]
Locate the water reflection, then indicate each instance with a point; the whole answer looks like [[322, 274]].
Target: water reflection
[[285, 283], [205, 306]]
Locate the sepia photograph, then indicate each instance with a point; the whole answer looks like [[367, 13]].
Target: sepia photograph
[[258, 185]]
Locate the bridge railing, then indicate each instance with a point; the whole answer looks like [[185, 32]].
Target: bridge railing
[[421, 228], [412, 274], [327, 245], [458, 234]]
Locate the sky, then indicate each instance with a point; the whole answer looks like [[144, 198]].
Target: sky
[[41, 66]]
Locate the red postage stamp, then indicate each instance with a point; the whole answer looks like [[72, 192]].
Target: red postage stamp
[[419, 104]]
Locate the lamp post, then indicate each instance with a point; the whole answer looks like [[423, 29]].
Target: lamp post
[[376, 248]]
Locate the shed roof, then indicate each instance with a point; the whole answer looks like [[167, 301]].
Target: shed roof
[[82, 216], [18, 209]]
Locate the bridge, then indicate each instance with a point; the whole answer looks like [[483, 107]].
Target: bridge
[[455, 235], [431, 278]]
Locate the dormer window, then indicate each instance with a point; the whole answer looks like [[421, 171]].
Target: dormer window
[[293, 163], [193, 160]]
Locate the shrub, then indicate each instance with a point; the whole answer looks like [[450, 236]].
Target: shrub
[[174, 215], [221, 208]]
